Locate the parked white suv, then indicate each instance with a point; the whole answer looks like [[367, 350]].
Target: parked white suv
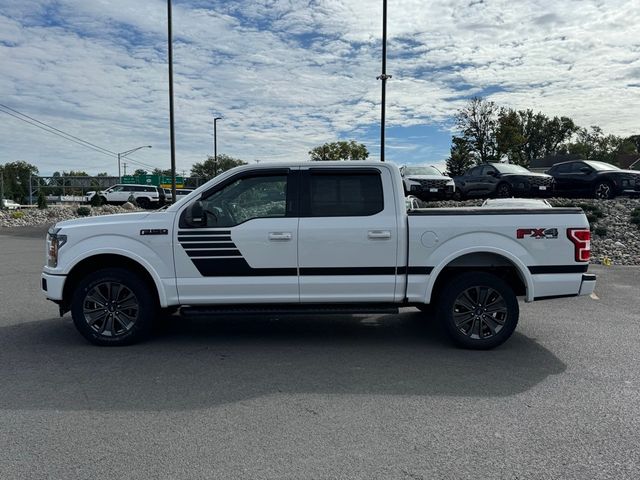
[[145, 195], [426, 182], [10, 204]]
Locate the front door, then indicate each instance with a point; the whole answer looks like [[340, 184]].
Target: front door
[[237, 243], [348, 235]]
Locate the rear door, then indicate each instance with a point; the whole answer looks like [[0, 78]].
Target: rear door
[[245, 248], [348, 235]]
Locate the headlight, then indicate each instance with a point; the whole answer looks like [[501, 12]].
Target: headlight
[[55, 241]]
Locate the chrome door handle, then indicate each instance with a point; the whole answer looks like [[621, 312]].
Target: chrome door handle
[[275, 236], [379, 234]]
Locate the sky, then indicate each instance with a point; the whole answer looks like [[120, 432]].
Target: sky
[[288, 75]]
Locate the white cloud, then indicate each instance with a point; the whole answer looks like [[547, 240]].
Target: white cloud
[[288, 75]]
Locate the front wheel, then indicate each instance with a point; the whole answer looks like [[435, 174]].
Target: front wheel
[[603, 191], [503, 190], [478, 310], [113, 306]]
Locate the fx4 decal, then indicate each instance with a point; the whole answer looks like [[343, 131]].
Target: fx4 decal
[[545, 233]]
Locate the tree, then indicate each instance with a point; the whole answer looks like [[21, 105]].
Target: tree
[[42, 200], [75, 173], [102, 174], [341, 150], [161, 172], [210, 168], [523, 136], [17, 176], [460, 158], [477, 122], [139, 172], [593, 144]]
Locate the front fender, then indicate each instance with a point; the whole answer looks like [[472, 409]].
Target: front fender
[[160, 269], [483, 242]]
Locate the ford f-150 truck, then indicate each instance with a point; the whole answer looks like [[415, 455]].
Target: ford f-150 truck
[[320, 237]]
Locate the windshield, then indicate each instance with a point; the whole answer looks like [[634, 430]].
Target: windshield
[[426, 170], [601, 166], [510, 168]]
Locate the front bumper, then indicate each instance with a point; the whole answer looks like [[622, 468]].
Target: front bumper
[[432, 192], [52, 286]]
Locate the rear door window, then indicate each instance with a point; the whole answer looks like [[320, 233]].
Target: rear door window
[[344, 194]]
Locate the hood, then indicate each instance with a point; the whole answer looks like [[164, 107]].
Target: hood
[[528, 174], [417, 178], [133, 217]]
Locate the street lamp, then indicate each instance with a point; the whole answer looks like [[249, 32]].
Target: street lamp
[[124, 154], [215, 145]]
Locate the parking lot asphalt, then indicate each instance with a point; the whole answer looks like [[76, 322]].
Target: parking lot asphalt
[[380, 396]]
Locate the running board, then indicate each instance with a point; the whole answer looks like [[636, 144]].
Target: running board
[[297, 309]]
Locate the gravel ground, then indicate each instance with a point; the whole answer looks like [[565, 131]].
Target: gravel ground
[[615, 241]]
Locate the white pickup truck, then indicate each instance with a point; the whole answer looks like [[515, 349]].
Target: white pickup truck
[[315, 237]]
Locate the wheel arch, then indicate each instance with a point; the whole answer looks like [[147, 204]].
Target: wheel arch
[[98, 261], [486, 259]]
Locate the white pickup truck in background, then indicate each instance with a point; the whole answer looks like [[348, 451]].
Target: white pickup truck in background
[[315, 237]]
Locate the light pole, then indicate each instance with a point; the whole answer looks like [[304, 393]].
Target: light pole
[[171, 128], [384, 77], [124, 154], [215, 145]]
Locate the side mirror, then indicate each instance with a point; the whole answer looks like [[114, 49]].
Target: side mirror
[[195, 214]]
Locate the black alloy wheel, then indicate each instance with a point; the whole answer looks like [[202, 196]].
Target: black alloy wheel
[[603, 191], [503, 190], [113, 306], [478, 310]]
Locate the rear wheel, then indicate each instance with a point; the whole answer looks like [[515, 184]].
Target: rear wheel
[[478, 310], [113, 306], [603, 191]]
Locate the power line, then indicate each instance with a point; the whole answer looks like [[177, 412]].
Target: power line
[[57, 130], [67, 136], [55, 133]]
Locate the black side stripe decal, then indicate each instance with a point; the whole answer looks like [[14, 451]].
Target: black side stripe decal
[[221, 238], [214, 253], [558, 269]]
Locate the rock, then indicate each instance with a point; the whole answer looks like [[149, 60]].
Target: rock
[[129, 206]]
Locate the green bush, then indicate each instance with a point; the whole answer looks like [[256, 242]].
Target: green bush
[[42, 200], [17, 215], [636, 220], [96, 201], [635, 212], [600, 231], [83, 211], [591, 218]]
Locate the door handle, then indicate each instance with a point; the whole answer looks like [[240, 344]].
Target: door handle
[[379, 234], [279, 236]]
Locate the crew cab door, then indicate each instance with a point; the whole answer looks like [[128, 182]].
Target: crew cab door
[[237, 243], [348, 235]]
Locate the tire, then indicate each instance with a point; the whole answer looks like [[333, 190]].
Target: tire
[[143, 202], [458, 195], [603, 190], [469, 326], [503, 190], [426, 308], [101, 320], [104, 200]]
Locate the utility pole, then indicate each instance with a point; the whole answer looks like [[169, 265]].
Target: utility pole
[[2, 189], [384, 77], [171, 124], [124, 166]]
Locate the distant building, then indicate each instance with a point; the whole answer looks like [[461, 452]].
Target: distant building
[[629, 161]]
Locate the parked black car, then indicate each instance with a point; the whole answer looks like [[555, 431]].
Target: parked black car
[[503, 180], [596, 179]]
